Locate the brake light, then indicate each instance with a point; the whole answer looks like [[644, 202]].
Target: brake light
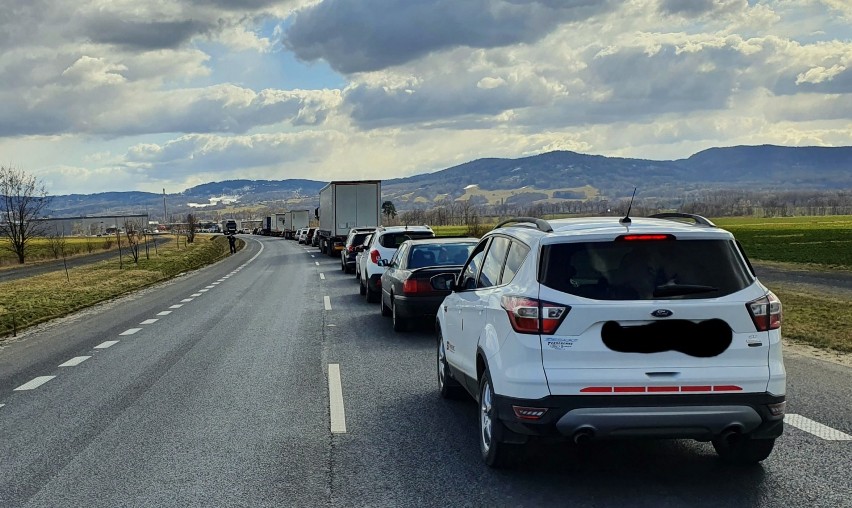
[[766, 312], [529, 315], [639, 238], [375, 256], [351, 248], [411, 286]]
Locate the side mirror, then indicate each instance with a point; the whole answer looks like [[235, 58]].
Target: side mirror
[[443, 282], [383, 262]]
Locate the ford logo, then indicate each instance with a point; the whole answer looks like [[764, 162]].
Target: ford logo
[[662, 313]]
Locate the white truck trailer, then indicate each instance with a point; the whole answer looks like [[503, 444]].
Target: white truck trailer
[[346, 205], [279, 224], [296, 220]]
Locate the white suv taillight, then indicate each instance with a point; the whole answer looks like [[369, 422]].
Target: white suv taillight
[[766, 312], [375, 256], [529, 315]]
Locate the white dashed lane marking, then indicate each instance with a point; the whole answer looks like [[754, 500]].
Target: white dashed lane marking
[[130, 331], [316, 263], [34, 383], [816, 428], [77, 360], [322, 276], [106, 344], [195, 295], [176, 306], [209, 287], [203, 291], [337, 414], [149, 322], [164, 313], [327, 302]]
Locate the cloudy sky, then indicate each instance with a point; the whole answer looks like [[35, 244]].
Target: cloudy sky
[[103, 95]]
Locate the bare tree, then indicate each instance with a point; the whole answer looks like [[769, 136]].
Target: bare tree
[[57, 243], [191, 227], [24, 199], [131, 231]]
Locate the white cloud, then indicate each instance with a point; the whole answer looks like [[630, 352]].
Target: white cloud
[[819, 74]]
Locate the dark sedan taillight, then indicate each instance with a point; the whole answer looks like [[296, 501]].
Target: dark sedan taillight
[[415, 286]]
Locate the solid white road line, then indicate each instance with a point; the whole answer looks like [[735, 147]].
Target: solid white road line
[[106, 344], [316, 263], [327, 302], [34, 383], [164, 313], [322, 276], [130, 331], [335, 400], [816, 428], [176, 306], [149, 322], [77, 360]]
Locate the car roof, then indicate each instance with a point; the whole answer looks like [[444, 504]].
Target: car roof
[[610, 227], [441, 241], [402, 229]]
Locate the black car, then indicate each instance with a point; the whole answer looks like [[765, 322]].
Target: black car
[[407, 292], [353, 241]]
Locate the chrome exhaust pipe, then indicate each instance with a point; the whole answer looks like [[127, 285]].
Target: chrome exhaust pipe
[[583, 435]]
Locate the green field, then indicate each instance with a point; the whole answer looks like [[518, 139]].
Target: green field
[[822, 241], [37, 299]]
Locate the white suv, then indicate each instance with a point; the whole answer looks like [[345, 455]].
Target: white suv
[[603, 328], [386, 240]]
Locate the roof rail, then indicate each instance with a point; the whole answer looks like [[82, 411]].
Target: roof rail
[[541, 224], [678, 215]]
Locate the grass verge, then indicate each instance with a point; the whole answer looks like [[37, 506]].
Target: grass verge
[[818, 320], [33, 300]]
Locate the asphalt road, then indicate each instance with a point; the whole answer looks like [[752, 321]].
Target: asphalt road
[[225, 402]]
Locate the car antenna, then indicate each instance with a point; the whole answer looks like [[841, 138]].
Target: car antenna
[[626, 218]]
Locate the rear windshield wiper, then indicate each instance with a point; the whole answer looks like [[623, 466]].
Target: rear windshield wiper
[[682, 289]]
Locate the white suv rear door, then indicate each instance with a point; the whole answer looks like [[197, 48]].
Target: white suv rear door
[[619, 339]]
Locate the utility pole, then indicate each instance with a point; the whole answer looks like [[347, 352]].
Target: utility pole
[[165, 215]]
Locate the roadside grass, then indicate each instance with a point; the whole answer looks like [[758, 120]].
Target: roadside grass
[[33, 300], [39, 249], [818, 320]]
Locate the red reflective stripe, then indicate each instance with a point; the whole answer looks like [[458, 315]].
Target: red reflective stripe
[[727, 388], [629, 389], [597, 389], [653, 389], [696, 388]]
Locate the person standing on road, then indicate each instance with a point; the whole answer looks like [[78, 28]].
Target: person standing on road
[[232, 241]]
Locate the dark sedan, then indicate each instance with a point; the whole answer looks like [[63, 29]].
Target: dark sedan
[[350, 248], [407, 292]]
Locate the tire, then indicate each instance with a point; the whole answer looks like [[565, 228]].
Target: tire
[[361, 288], [494, 451], [342, 265], [385, 310], [448, 387], [372, 296], [399, 324], [743, 450]]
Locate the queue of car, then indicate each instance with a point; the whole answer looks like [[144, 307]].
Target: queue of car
[[594, 328]]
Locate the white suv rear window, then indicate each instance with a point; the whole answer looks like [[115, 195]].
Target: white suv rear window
[[644, 270]]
